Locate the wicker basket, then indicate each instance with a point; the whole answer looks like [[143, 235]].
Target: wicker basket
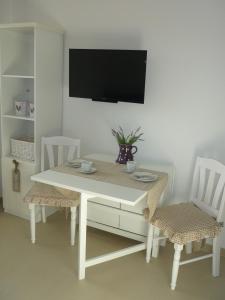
[[23, 148]]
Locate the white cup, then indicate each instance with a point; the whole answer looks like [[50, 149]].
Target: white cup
[[31, 109], [131, 166], [86, 165], [21, 108]]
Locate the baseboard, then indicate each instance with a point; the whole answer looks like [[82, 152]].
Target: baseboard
[[49, 211], [1, 204], [23, 215]]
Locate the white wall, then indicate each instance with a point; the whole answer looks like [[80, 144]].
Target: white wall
[[5, 11], [184, 106], [13, 10], [183, 114]]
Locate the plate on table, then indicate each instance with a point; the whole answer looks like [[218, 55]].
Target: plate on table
[[76, 163], [91, 171], [144, 176]]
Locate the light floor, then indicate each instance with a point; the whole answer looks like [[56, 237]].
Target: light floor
[[48, 269]]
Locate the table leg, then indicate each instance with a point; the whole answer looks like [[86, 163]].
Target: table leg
[[32, 221], [155, 248], [82, 236]]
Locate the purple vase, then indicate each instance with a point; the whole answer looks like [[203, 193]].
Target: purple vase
[[125, 153]]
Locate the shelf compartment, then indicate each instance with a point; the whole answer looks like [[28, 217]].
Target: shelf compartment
[[15, 128], [17, 53], [22, 148], [15, 89]]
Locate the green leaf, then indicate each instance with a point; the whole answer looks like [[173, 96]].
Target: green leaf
[[130, 138]]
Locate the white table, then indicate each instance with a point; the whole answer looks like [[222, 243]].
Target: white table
[[91, 188]]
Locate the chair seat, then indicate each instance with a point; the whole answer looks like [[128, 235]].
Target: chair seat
[[184, 222], [44, 194]]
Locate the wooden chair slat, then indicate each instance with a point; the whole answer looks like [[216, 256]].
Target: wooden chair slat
[[209, 188], [218, 192], [50, 155], [202, 180], [71, 152], [60, 155]]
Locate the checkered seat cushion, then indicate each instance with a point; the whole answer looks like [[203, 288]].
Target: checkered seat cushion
[[44, 194], [184, 222]]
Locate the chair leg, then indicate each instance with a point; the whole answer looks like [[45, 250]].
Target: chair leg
[[43, 214], [67, 212], [188, 248], [216, 257], [155, 249], [149, 242], [176, 263], [73, 224], [32, 222]]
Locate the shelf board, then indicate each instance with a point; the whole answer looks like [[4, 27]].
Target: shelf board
[[17, 117], [17, 76], [30, 26], [31, 162]]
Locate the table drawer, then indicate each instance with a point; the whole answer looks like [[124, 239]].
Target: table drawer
[[133, 223], [103, 214]]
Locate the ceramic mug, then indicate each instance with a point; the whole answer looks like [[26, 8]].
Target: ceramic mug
[[86, 165], [31, 109], [21, 108], [131, 166]]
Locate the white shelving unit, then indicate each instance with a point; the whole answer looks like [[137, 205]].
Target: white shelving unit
[[31, 62]]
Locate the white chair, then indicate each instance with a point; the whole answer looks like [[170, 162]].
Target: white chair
[[59, 149], [199, 219]]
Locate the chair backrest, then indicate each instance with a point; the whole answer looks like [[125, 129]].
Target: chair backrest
[[59, 149], [208, 191]]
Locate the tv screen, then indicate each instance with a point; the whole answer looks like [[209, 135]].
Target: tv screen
[[107, 75]]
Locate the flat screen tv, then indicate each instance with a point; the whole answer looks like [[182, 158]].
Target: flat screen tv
[[107, 75]]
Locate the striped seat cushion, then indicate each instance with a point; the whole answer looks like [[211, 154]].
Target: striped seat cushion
[[44, 194], [184, 222]]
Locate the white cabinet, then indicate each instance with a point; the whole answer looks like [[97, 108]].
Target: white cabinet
[[123, 219], [103, 214], [31, 66], [134, 223], [13, 201]]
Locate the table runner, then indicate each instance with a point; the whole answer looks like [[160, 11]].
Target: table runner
[[114, 173]]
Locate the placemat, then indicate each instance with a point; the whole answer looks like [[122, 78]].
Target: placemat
[[114, 173]]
